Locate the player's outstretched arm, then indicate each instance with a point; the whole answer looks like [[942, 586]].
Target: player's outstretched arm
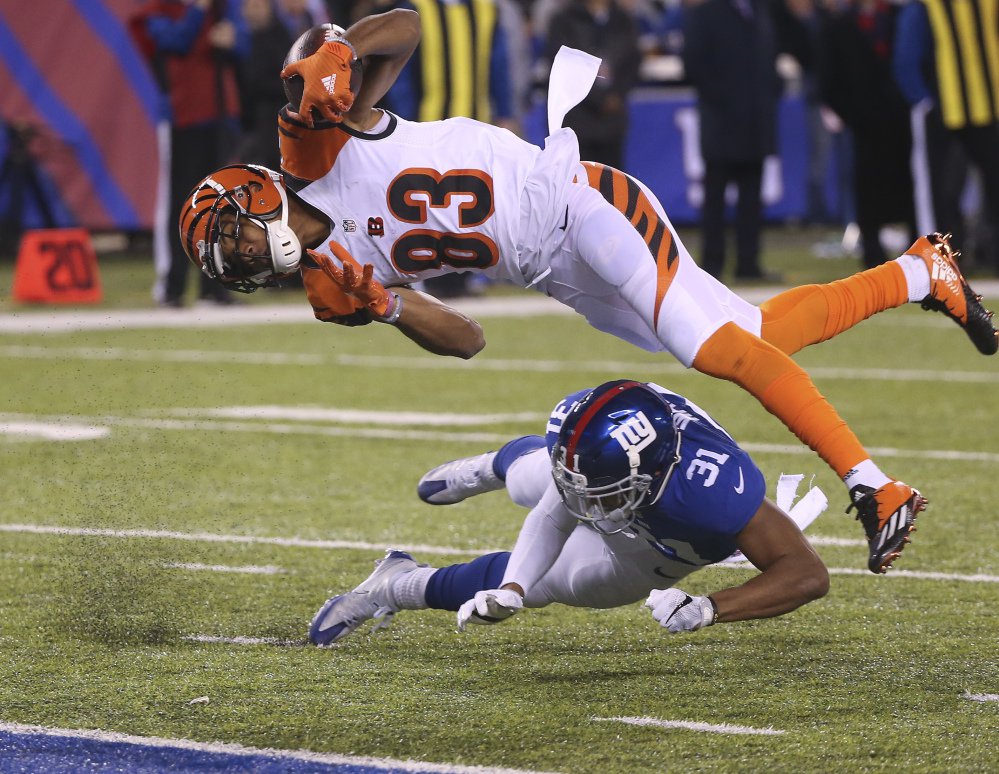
[[541, 539], [792, 574], [347, 293], [384, 42], [437, 327]]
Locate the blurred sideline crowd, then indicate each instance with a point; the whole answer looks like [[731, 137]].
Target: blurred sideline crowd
[[906, 92]]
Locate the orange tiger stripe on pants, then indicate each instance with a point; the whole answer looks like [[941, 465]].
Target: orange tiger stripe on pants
[[629, 199]]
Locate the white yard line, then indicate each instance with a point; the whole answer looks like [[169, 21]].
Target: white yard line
[[392, 432], [356, 416], [298, 312], [428, 362], [248, 569], [207, 537], [982, 697], [210, 639], [241, 751], [250, 314], [688, 725], [904, 574], [50, 431]]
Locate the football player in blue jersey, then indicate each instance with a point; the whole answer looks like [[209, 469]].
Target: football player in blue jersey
[[632, 489]]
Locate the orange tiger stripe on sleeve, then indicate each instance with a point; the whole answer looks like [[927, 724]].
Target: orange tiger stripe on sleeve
[[629, 199]]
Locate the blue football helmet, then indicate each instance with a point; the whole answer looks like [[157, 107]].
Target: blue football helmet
[[614, 455]]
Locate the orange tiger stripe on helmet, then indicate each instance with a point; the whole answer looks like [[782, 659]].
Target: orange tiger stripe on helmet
[[246, 186]]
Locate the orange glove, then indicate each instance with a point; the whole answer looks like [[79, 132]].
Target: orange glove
[[329, 302], [356, 282], [326, 75]]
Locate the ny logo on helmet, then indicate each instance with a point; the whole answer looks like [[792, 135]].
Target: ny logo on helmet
[[634, 434]]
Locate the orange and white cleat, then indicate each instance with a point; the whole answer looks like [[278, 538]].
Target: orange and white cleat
[[951, 294], [888, 515]]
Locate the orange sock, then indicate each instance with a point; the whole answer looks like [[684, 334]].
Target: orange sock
[[785, 390], [811, 313]]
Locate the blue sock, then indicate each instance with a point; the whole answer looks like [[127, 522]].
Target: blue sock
[[449, 587], [511, 450]]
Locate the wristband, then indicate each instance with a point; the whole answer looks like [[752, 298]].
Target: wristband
[[709, 615], [393, 311]]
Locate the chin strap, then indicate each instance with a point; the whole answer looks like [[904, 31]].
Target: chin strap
[[286, 249]]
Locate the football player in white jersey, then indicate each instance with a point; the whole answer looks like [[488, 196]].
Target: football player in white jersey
[[632, 489], [378, 203]]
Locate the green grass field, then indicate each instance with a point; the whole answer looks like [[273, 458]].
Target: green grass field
[[184, 522]]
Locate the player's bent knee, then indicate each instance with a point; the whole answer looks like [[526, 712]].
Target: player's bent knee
[[725, 353]]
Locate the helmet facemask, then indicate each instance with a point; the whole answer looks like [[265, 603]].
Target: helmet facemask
[[609, 508]]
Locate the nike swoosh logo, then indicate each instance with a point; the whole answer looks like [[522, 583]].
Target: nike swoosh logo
[[565, 222], [659, 571], [742, 484]]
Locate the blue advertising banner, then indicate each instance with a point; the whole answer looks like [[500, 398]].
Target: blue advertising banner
[[663, 152]]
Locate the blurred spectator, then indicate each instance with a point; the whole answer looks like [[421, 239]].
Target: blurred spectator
[[601, 28], [300, 15], [343, 12], [193, 47], [261, 91], [946, 66], [513, 20], [542, 12], [799, 29], [730, 55], [660, 25], [857, 83]]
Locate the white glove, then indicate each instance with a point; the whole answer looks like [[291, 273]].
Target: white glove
[[489, 607], [677, 611]]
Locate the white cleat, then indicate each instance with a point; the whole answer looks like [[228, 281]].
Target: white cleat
[[341, 614], [458, 480]]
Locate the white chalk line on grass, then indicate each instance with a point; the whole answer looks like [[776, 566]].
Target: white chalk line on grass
[[903, 574], [277, 428], [395, 433], [526, 305], [666, 366], [516, 305], [210, 639], [358, 416], [711, 728], [247, 569], [222, 748], [54, 431], [981, 697], [206, 537]]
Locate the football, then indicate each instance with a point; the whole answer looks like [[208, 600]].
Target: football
[[307, 44]]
